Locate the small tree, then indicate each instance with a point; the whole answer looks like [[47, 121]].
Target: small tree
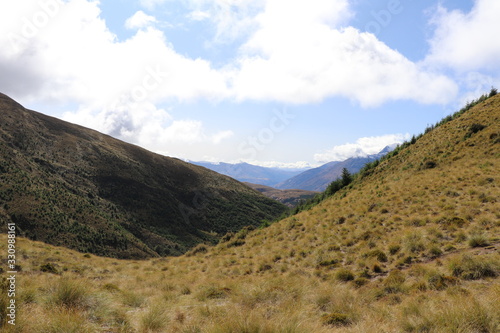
[[493, 92], [346, 177]]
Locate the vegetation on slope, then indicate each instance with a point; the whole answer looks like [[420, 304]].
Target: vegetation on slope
[[290, 198], [346, 178], [67, 185], [411, 247]]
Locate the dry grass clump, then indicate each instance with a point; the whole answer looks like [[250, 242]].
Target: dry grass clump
[[344, 275], [478, 240], [155, 319], [474, 267], [70, 293], [458, 313]]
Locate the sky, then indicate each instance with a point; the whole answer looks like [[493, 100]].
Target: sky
[[283, 83]]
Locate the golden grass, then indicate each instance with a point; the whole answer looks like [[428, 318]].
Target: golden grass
[[407, 249], [123, 296]]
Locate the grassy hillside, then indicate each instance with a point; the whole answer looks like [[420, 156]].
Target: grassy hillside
[[412, 246], [290, 198], [67, 185]]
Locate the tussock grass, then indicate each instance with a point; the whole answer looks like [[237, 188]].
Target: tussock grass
[[155, 319], [69, 293], [474, 268], [402, 250]]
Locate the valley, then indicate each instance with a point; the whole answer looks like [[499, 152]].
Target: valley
[[410, 245], [68, 185]]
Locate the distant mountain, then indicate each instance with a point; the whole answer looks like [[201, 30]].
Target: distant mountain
[[290, 198], [245, 172], [67, 185], [319, 178]]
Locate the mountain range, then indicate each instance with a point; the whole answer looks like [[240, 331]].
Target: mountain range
[[245, 172], [314, 179], [318, 179], [67, 185]]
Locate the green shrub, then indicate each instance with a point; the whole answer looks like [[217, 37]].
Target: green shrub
[[212, 292], [344, 275], [71, 294], [394, 281], [336, 319], [132, 299], [111, 287], [478, 240], [200, 248], [474, 128], [414, 242], [49, 268], [227, 237], [328, 263], [380, 255], [394, 248], [429, 165], [439, 282], [493, 92], [435, 251], [235, 243], [154, 320], [377, 269], [360, 281], [474, 268], [264, 267]]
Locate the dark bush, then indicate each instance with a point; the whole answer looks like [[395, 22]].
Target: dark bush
[[380, 255], [493, 92], [474, 268], [474, 128], [344, 275], [430, 165], [200, 248], [336, 319], [236, 243], [49, 268]]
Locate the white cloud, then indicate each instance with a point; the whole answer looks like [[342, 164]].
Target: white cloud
[[295, 52], [219, 137], [151, 4], [301, 54], [267, 164], [198, 15], [362, 147], [144, 124], [116, 85], [284, 165], [139, 20], [467, 41], [232, 19], [75, 57]]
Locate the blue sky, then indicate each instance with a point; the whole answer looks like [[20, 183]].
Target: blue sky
[[269, 82]]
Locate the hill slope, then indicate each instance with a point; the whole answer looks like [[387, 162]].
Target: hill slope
[[245, 172], [290, 198], [319, 178], [67, 185], [411, 246]]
